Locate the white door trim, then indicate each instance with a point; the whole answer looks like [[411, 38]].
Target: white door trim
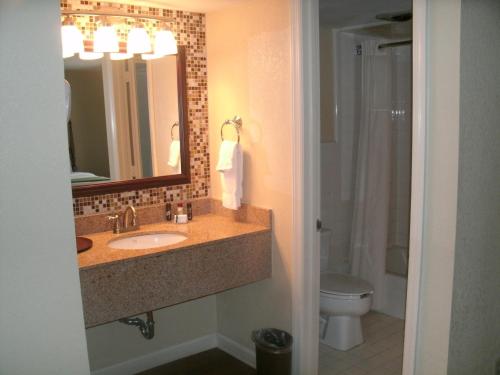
[[419, 125], [111, 121], [306, 190], [152, 119], [305, 150]]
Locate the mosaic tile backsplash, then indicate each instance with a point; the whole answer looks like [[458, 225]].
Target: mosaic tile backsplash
[[189, 30]]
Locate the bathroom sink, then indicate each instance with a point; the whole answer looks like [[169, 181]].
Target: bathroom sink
[[146, 241]]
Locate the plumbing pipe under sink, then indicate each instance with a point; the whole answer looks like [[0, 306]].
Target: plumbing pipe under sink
[[147, 327]]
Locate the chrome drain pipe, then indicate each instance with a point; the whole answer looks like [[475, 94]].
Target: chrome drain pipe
[[147, 327]]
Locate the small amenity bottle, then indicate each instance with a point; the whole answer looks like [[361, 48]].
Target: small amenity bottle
[[168, 212]]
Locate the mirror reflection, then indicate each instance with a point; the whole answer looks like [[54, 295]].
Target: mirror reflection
[[123, 119]]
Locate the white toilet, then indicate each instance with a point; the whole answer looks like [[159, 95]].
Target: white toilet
[[343, 300]]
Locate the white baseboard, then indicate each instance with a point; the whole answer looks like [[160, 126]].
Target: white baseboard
[[160, 357], [185, 349], [237, 350]]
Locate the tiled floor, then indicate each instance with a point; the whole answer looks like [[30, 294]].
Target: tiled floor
[[380, 354]]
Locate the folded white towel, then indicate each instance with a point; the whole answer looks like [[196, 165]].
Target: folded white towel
[[174, 158], [76, 175], [230, 166]]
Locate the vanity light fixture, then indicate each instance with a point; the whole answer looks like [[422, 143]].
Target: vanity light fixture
[[107, 41], [138, 40], [72, 38], [165, 43], [105, 38]]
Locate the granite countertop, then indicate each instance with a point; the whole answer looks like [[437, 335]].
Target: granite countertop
[[202, 230]]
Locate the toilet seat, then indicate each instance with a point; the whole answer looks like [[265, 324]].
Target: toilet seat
[[343, 300], [343, 286]]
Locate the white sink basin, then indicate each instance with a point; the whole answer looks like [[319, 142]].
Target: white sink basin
[[146, 241]]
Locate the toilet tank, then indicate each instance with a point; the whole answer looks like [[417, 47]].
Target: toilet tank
[[325, 245]]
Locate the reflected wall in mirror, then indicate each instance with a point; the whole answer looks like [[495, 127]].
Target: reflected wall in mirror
[[127, 123]]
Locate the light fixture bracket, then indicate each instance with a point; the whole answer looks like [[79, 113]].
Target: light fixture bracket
[[112, 13]]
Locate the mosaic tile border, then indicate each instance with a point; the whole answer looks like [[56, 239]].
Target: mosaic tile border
[[189, 30]]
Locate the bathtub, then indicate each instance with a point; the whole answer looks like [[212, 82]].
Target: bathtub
[[396, 281], [396, 260]]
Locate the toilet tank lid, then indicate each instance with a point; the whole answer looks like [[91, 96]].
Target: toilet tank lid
[[336, 283]]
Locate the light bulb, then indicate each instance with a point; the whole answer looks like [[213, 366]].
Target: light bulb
[[72, 40], [105, 39], [165, 43], [138, 41]]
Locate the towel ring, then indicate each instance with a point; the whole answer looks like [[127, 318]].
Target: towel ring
[[236, 122], [172, 129]]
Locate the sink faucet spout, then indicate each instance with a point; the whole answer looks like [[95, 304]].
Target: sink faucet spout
[[129, 221]]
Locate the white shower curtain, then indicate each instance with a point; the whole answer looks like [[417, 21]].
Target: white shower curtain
[[373, 170]]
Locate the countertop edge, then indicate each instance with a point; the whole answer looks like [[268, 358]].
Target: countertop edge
[[170, 250]]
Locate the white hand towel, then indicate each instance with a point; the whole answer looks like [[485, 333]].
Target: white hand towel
[[230, 166], [174, 158]]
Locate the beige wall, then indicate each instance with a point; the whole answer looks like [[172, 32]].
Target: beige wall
[[248, 49], [41, 319], [88, 120], [163, 109], [113, 343], [441, 187]]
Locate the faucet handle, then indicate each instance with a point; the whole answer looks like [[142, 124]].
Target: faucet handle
[[115, 221]]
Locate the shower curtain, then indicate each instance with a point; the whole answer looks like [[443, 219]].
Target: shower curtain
[[373, 171]]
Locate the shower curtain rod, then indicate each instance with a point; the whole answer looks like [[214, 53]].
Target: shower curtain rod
[[394, 44]]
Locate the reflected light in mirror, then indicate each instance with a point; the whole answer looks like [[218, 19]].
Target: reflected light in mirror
[[105, 39], [138, 40], [72, 40], [90, 55], [120, 56]]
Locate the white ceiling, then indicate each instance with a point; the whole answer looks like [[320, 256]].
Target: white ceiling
[[201, 6], [345, 13]]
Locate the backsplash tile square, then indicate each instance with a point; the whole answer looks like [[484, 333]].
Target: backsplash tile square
[[189, 30]]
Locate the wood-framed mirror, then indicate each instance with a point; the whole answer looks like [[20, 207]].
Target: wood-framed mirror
[[127, 123]]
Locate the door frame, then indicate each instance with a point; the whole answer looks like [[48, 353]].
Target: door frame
[[419, 139], [111, 120], [306, 191]]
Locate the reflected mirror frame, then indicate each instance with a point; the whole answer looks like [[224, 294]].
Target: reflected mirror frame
[[152, 182]]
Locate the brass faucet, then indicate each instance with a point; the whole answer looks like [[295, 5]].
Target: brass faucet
[[133, 224], [129, 224]]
